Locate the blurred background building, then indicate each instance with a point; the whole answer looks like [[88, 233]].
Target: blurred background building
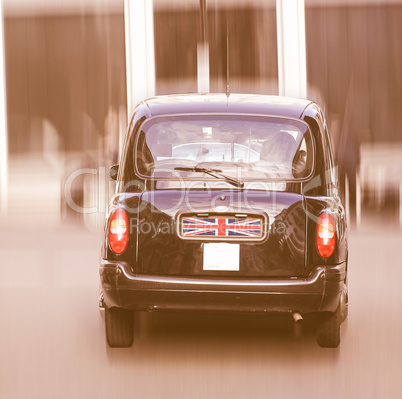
[[66, 88]]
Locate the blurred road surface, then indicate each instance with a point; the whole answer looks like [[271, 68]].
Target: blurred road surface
[[52, 342]]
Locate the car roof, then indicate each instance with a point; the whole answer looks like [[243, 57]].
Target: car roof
[[220, 103]]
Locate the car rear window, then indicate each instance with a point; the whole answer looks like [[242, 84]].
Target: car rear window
[[250, 148]]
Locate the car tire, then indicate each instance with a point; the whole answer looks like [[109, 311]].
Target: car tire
[[329, 330], [344, 303], [119, 325]]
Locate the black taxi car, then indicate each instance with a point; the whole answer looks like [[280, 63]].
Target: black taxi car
[[225, 203]]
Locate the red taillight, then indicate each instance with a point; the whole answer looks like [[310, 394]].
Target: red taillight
[[325, 235], [118, 231]]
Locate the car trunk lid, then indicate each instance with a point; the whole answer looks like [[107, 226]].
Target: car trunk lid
[[239, 233]]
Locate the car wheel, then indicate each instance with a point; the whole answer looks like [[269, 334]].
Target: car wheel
[[119, 327], [344, 303], [329, 330]]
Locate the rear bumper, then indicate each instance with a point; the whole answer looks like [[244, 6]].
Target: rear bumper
[[319, 292]]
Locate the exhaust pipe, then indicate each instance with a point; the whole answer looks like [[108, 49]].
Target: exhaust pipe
[[297, 317], [298, 322]]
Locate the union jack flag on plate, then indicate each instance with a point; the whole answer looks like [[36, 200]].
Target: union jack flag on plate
[[219, 227]]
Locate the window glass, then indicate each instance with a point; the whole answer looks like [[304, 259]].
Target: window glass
[[245, 147]]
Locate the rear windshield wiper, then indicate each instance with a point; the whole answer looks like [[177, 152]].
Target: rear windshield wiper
[[214, 173]]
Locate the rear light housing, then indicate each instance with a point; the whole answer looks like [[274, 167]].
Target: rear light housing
[[326, 235], [118, 231]]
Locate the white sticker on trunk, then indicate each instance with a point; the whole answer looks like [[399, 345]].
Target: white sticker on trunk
[[221, 256]]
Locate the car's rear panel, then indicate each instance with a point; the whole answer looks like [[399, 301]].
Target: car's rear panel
[[173, 235]]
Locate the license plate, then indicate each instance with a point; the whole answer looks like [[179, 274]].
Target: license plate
[[221, 256]]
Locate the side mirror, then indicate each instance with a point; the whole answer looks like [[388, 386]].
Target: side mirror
[[300, 164], [113, 171]]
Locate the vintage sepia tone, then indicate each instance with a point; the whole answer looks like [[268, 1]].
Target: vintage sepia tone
[[73, 74]]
